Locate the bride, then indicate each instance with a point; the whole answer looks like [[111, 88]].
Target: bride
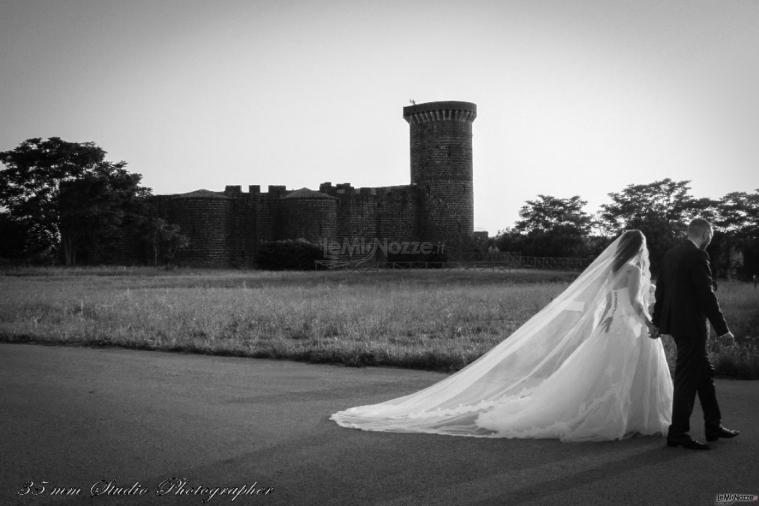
[[581, 369]]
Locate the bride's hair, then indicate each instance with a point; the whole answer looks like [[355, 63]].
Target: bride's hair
[[630, 244]]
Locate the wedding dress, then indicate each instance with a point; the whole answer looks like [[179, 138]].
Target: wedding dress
[[581, 369]]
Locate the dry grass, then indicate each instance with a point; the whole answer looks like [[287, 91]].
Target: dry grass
[[431, 319]]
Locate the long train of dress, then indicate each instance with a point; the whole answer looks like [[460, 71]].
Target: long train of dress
[[612, 383]]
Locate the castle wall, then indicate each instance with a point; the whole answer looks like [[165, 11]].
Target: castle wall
[[398, 213], [390, 212], [208, 222], [357, 216], [267, 217], [313, 219], [226, 228], [356, 211]]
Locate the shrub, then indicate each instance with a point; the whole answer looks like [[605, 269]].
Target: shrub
[[298, 254]]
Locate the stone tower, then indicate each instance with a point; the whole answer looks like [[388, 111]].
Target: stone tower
[[441, 167]]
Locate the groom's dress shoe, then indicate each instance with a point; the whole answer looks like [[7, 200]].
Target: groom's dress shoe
[[687, 442], [720, 432]]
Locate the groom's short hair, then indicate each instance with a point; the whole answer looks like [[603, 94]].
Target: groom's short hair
[[698, 226]]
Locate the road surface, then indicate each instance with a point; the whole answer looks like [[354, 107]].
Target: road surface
[[112, 426]]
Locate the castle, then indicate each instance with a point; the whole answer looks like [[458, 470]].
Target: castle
[[226, 228]]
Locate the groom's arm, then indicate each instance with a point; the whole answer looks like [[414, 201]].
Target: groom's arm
[[701, 279]]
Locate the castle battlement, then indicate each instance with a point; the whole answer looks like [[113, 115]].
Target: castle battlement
[[226, 228], [440, 111]]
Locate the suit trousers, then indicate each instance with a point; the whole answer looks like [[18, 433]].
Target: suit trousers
[[693, 375]]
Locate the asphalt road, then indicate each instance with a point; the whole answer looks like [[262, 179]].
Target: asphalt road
[[76, 419]]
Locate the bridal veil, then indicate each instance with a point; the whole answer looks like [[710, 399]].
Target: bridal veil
[[515, 367]]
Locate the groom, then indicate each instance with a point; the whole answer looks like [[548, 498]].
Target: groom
[[684, 302]]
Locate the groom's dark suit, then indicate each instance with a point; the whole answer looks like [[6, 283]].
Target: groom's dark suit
[[684, 301]]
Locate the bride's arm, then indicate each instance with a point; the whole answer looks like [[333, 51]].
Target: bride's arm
[[634, 286]]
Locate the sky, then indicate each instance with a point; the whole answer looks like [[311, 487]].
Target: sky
[[579, 97]]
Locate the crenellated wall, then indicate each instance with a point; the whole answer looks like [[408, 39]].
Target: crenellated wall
[[225, 228]]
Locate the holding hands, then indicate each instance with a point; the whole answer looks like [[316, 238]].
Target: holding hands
[[727, 339]]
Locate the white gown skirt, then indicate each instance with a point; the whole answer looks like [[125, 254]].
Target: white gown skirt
[[615, 383]]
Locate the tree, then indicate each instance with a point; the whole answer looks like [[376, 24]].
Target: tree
[[65, 198], [661, 210], [164, 240], [510, 240], [737, 213], [548, 213], [551, 227], [737, 218], [30, 183], [100, 213], [13, 234], [665, 201]]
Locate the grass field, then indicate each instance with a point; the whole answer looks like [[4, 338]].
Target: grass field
[[431, 319]]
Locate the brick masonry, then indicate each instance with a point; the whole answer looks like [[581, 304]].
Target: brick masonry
[[225, 228]]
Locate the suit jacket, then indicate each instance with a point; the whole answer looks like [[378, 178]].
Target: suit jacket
[[684, 295]]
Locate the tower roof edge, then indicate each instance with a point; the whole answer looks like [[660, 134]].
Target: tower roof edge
[[468, 107]]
